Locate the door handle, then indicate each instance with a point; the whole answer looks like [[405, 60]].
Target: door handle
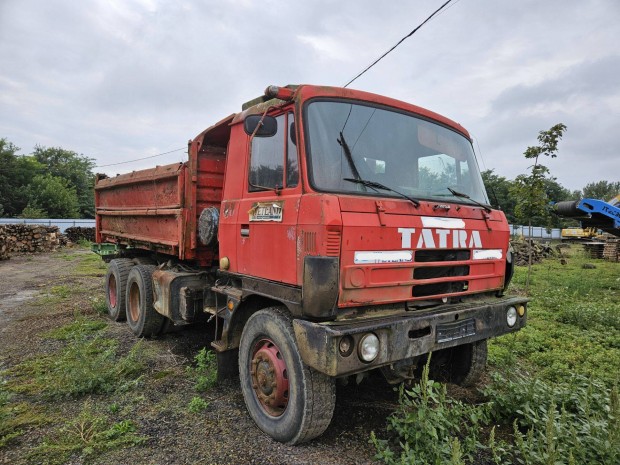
[[245, 230]]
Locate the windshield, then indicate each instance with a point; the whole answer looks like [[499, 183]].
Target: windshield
[[350, 142]]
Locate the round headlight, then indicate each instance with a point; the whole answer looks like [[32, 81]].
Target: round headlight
[[511, 316], [368, 347]]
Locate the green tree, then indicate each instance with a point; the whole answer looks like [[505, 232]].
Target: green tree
[[76, 169], [530, 190], [498, 188], [54, 195], [601, 190], [16, 172]]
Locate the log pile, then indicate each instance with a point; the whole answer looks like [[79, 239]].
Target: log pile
[[522, 247], [77, 233], [611, 250], [23, 238]]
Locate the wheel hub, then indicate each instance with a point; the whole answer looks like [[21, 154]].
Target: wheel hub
[[270, 377]]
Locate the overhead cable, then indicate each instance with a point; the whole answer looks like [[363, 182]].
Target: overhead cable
[[143, 158], [399, 42]]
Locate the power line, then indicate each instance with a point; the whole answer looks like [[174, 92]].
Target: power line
[[399, 42], [138, 159]]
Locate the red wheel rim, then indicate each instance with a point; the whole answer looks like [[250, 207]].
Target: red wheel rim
[[134, 302], [270, 377], [112, 291]]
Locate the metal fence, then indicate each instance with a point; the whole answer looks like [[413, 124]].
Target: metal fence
[[62, 224], [538, 232], [515, 230]]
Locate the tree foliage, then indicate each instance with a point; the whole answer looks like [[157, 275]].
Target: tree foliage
[[51, 182], [530, 190], [601, 190], [53, 195], [73, 168]]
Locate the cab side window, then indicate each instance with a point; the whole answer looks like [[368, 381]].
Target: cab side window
[[269, 156]]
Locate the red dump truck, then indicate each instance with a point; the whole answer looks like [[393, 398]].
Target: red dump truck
[[328, 232]]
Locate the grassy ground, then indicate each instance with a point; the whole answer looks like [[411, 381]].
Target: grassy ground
[[552, 394], [573, 321]]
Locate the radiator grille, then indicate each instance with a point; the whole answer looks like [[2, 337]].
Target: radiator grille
[[442, 255]]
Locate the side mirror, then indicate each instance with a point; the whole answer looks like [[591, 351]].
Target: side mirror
[[268, 128], [292, 134]]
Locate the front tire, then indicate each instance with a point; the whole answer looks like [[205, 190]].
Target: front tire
[[463, 365], [142, 318], [288, 400], [115, 287]]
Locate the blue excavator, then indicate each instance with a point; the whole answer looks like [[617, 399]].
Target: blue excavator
[[593, 213]]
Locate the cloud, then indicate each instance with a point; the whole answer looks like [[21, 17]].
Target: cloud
[[122, 79]]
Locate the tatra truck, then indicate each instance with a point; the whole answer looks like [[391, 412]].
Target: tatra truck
[[328, 232]]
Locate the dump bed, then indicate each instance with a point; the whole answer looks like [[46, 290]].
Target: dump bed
[[157, 209]]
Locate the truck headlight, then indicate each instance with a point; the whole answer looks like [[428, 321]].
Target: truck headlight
[[511, 316], [368, 347]]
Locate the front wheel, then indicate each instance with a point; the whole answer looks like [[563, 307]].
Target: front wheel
[[288, 400], [463, 365]]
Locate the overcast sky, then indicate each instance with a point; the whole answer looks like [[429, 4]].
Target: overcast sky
[[117, 80]]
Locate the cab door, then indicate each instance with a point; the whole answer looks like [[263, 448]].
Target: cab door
[[267, 218]]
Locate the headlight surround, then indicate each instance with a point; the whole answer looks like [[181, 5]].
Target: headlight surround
[[511, 316], [368, 347]]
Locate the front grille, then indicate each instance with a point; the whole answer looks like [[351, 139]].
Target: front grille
[[431, 272], [451, 255], [426, 290]]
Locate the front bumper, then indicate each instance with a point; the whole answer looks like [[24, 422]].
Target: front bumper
[[405, 335]]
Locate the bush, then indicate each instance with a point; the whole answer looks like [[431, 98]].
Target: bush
[[577, 422]]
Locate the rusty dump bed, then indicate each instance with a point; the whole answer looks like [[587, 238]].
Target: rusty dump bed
[[157, 209]]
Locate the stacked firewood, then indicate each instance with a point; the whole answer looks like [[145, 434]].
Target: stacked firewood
[[78, 233], [522, 248], [23, 238]]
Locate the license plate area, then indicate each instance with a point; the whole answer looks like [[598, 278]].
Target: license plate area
[[457, 330]]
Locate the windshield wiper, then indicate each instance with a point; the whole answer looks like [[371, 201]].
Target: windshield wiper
[[347, 152], [377, 185], [465, 196]]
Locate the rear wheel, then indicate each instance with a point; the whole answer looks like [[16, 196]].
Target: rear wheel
[[115, 286], [463, 365], [142, 318], [288, 400]]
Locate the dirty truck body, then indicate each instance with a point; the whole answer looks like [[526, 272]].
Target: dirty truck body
[[328, 232]]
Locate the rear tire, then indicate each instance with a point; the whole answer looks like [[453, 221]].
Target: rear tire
[[462, 365], [288, 400], [142, 318], [115, 287]]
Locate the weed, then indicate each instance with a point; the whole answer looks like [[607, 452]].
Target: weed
[[62, 291], [432, 428], [86, 436], [99, 305], [79, 328], [90, 265], [82, 367], [114, 408], [205, 371], [197, 405], [84, 243], [15, 417], [577, 421]]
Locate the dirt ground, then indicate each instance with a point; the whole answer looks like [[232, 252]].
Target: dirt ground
[[222, 434]]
